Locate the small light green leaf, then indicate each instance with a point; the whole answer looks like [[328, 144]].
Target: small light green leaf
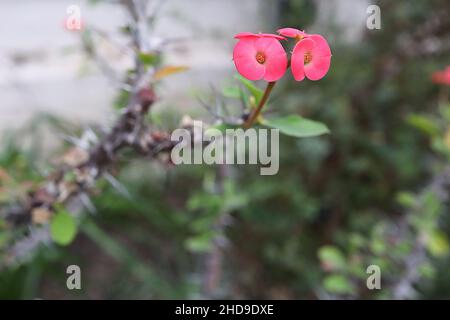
[[222, 127], [406, 199], [332, 257], [437, 243], [121, 99], [427, 270], [296, 126], [149, 59], [254, 90], [378, 246], [337, 284], [231, 92], [424, 124], [63, 228], [200, 243], [431, 204]]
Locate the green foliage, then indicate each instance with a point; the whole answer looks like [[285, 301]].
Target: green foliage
[[297, 126], [255, 92], [340, 202], [149, 59], [337, 284], [438, 244], [332, 257], [423, 123], [63, 228]]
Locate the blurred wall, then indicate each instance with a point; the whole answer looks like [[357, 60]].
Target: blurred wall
[[42, 66]]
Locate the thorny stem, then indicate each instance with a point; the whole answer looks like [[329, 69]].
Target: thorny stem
[[254, 115], [129, 131]]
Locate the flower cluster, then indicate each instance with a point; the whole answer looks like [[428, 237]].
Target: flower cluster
[[442, 77], [261, 56]]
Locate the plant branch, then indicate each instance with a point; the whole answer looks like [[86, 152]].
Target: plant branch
[[254, 115]]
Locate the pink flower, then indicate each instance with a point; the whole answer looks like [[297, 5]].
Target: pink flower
[[311, 58], [260, 56], [442, 77]]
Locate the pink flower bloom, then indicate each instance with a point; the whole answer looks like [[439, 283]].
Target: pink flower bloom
[[311, 57], [442, 77], [260, 56]]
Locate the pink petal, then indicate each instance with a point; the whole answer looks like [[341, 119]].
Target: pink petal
[[317, 68], [270, 35], [275, 67], [268, 46], [276, 62], [298, 58], [246, 35], [244, 59], [288, 32], [291, 32], [276, 58], [321, 49], [244, 48], [249, 35]]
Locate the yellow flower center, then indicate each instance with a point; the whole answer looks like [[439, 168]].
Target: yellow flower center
[[260, 57], [308, 57]]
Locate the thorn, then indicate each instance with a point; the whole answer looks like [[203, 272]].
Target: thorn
[[117, 185], [88, 203]]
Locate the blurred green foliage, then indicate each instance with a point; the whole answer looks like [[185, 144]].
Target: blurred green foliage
[[341, 202]]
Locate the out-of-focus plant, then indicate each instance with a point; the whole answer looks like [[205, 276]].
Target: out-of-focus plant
[[52, 211], [372, 193]]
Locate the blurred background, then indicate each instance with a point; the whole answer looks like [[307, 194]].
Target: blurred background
[[373, 192]]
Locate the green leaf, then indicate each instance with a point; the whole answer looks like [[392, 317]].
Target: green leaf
[[432, 205], [424, 124], [427, 270], [121, 100], [63, 228], [332, 257], [337, 284], [378, 246], [254, 90], [231, 92], [149, 59], [222, 127], [296, 126], [437, 243], [406, 199], [200, 243]]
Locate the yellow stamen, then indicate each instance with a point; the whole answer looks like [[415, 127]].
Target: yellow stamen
[[308, 57], [260, 57]]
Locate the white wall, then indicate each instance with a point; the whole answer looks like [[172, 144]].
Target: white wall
[[42, 68]]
